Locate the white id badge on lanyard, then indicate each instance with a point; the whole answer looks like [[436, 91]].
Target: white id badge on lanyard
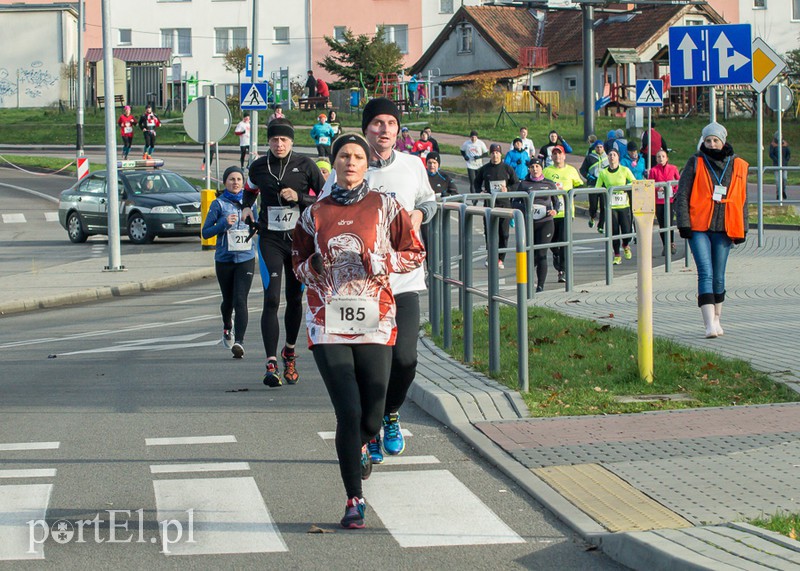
[[237, 240], [282, 218], [351, 315], [719, 192]]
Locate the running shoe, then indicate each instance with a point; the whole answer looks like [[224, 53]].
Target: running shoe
[[591, 222], [501, 265], [354, 514], [599, 229], [289, 370], [375, 452], [562, 278], [237, 350], [272, 378], [674, 248], [366, 463], [227, 338], [627, 251], [617, 260], [393, 441], [539, 289]]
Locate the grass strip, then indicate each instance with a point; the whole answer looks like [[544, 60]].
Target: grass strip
[[583, 367], [784, 523]]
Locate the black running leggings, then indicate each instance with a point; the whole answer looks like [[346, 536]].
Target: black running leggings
[[243, 152], [542, 234], [662, 223], [275, 261], [149, 140], [126, 145], [404, 352], [235, 280], [620, 224], [560, 251], [356, 377]]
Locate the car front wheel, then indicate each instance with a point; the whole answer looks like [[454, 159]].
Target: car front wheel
[[75, 229], [137, 230]]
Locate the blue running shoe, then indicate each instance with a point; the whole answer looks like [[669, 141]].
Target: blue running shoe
[[354, 514], [393, 441], [375, 452], [366, 463]]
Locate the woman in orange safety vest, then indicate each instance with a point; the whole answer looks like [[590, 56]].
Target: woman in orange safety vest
[[711, 213]]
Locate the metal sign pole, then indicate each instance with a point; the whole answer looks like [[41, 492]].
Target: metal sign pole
[[114, 255], [206, 141], [760, 168], [254, 113], [779, 173], [649, 138]]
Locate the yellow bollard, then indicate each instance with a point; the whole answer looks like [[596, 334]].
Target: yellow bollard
[[522, 267], [644, 208], [206, 198]]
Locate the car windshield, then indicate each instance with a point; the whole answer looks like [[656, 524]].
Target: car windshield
[[157, 182]]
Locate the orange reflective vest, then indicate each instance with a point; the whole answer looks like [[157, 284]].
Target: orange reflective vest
[[701, 205]]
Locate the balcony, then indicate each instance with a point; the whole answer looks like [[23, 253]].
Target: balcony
[[533, 58]]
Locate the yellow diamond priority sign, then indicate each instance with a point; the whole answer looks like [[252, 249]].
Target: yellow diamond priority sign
[[766, 65]]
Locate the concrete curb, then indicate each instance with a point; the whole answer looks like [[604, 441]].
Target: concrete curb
[[96, 294]]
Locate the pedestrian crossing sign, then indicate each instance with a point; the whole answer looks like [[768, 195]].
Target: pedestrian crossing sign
[[649, 92], [253, 96]]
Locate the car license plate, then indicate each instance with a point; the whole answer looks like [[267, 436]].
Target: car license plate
[[193, 220]]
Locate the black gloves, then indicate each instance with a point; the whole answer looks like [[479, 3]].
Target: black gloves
[[685, 233], [739, 240]]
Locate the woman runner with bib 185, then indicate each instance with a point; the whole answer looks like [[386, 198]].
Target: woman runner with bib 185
[[344, 248]]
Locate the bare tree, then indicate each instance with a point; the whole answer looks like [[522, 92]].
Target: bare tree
[[236, 60]]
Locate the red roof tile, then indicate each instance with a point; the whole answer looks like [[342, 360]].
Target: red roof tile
[[132, 54]]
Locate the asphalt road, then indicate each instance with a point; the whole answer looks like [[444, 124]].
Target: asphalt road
[[85, 391]]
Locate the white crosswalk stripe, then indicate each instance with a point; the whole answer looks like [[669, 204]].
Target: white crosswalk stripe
[[51, 216], [440, 511], [223, 515], [15, 218], [22, 504]]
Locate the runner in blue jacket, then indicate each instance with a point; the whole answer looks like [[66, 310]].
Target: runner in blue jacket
[[234, 258]]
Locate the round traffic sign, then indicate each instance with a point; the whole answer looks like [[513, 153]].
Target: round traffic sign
[[219, 119], [779, 96]]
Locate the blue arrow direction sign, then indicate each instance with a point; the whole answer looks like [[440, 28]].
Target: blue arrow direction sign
[[710, 55], [649, 93], [253, 96], [248, 66]]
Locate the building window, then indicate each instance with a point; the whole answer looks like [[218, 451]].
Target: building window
[[124, 36], [695, 22], [338, 33], [760, 4], [179, 39], [465, 39], [795, 9], [397, 34], [225, 39], [281, 35], [570, 83], [445, 6]]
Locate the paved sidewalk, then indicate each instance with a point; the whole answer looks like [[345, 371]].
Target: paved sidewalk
[[655, 491]]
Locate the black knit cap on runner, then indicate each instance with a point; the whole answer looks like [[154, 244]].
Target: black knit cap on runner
[[343, 140], [280, 128], [378, 106]]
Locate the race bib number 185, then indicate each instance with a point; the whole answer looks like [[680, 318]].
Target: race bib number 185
[[351, 315]]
